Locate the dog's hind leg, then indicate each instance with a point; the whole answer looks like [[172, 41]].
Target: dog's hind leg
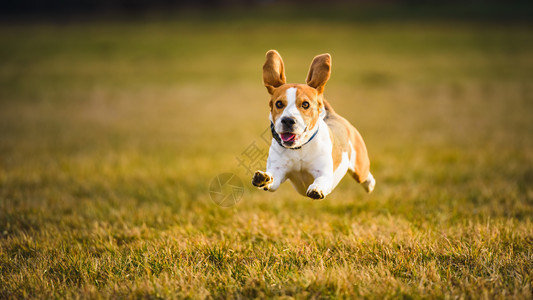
[[360, 168], [368, 184]]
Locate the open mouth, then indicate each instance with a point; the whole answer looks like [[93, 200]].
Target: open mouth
[[288, 137]]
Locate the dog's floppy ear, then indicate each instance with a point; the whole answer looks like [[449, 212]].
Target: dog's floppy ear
[[273, 71], [319, 72]]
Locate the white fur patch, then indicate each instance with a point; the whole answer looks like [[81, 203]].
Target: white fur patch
[[347, 163], [352, 157], [291, 111], [341, 169], [291, 96]]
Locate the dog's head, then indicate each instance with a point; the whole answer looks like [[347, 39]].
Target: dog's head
[[295, 109]]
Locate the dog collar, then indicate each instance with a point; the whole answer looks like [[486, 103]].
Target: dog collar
[[275, 135]]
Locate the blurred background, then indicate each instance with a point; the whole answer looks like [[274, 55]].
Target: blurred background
[[356, 9]]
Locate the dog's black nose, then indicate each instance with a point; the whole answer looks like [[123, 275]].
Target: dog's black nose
[[289, 122]]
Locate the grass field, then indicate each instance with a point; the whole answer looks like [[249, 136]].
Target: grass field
[[111, 132]]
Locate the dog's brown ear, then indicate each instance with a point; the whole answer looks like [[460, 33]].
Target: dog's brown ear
[[273, 71], [319, 72]]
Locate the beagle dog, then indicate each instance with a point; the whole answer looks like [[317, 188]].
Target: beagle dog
[[312, 145]]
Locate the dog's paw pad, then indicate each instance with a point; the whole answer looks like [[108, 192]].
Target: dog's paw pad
[[261, 180], [315, 194]]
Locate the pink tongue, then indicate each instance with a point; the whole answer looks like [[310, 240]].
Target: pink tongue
[[287, 137]]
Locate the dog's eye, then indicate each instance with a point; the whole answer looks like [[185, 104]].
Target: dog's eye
[[305, 105], [279, 104]]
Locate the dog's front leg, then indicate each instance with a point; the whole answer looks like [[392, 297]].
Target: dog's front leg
[[320, 188], [323, 182], [269, 180], [274, 176]]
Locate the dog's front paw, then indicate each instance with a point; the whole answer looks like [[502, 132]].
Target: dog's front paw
[[314, 192], [262, 180]]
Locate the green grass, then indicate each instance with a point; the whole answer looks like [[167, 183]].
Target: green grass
[[111, 132]]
